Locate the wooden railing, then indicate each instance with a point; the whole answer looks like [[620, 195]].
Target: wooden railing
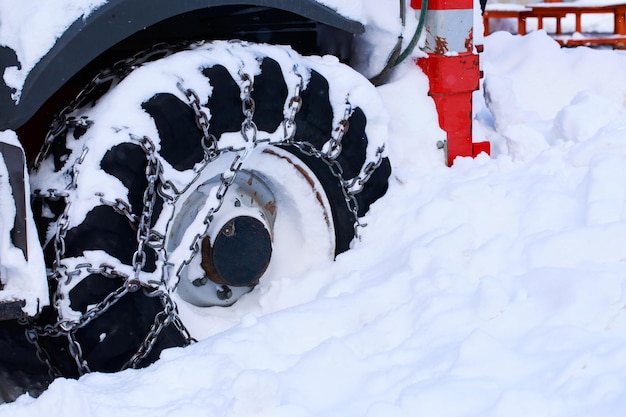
[[558, 11]]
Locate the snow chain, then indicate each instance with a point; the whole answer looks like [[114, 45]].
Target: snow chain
[[157, 184]]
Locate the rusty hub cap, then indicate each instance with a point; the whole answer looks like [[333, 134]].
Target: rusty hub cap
[[240, 253]]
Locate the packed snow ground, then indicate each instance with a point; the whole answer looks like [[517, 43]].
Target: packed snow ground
[[492, 288]]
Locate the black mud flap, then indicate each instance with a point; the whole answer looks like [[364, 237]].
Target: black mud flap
[[21, 371], [14, 160]]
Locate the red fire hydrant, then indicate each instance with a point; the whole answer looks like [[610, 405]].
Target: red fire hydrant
[[453, 71]]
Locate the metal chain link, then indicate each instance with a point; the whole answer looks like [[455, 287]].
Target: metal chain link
[[146, 237], [295, 104], [116, 73], [332, 149], [158, 184], [51, 194], [62, 225], [226, 180], [153, 169], [335, 168], [228, 177], [248, 106], [209, 142], [169, 315], [355, 185], [121, 207], [76, 352], [329, 153], [68, 328], [32, 336], [61, 327]]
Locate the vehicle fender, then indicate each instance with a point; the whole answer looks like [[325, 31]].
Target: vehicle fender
[[111, 23]]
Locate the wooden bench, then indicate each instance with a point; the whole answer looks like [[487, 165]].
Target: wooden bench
[[558, 11]]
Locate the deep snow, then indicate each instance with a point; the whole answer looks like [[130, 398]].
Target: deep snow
[[492, 288]]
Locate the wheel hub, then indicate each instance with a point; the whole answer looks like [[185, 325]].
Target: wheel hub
[[239, 254], [248, 239], [237, 249]]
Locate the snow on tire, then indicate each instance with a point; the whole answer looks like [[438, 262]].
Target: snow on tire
[[191, 180]]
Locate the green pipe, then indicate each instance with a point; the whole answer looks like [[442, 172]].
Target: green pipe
[[416, 37], [396, 57]]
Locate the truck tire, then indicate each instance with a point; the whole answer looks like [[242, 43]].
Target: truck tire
[[188, 181]]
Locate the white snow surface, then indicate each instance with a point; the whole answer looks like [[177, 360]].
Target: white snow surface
[[495, 287]]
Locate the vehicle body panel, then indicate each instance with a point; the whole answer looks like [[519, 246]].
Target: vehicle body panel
[[113, 22]]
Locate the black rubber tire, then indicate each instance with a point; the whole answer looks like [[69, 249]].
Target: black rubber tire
[[110, 340]]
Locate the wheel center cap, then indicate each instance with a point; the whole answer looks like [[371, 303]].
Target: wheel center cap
[[240, 253]]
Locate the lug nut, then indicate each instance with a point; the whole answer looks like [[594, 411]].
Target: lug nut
[[224, 293], [133, 285], [199, 282], [229, 229]]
